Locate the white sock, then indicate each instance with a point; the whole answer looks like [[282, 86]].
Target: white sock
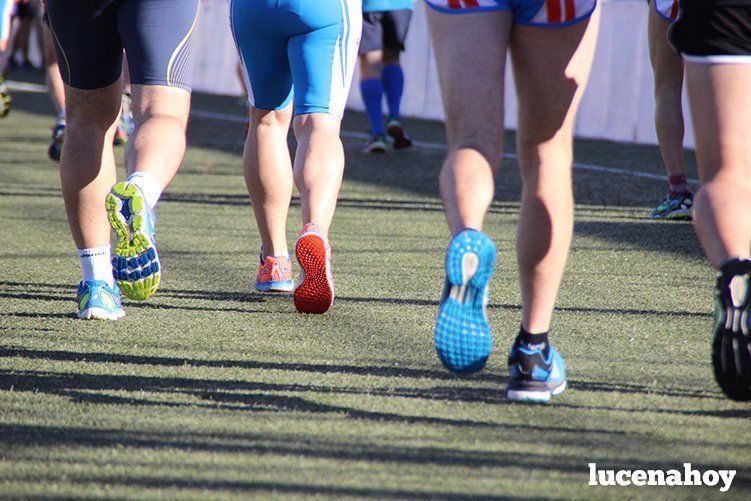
[[149, 186], [96, 264]]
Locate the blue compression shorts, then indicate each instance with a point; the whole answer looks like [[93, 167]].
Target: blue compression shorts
[[297, 50]]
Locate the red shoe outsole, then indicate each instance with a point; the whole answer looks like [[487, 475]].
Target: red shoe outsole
[[315, 294]]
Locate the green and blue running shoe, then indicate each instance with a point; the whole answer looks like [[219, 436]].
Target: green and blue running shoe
[[5, 99], [675, 206], [462, 334], [135, 265], [731, 347], [97, 300], [536, 373]]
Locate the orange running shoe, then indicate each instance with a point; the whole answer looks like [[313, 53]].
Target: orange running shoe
[[274, 274], [315, 291]]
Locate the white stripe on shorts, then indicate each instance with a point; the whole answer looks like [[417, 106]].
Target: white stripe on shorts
[[719, 59], [246, 77], [345, 55]]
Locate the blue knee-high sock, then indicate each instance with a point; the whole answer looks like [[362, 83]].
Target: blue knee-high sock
[[392, 79], [372, 94]]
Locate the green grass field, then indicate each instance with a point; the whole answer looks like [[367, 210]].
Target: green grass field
[[211, 390]]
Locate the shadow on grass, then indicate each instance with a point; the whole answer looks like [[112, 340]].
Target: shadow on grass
[[653, 236], [357, 370], [491, 395], [251, 297], [32, 314], [723, 413], [295, 446], [248, 396]]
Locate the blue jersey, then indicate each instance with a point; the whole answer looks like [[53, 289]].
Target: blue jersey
[[385, 5]]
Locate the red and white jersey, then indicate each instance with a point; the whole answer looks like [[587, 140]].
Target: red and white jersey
[[532, 12], [667, 8], [563, 11]]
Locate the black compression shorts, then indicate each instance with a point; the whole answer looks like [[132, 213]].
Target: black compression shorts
[[713, 31]]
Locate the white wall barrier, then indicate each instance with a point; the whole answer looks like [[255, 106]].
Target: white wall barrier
[[618, 104]]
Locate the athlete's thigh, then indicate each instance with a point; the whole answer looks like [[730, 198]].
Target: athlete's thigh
[[551, 68], [259, 30], [323, 59], [158, 36], [715, 40], [721, 104], [87, 43], [471, 74], [666, 62]]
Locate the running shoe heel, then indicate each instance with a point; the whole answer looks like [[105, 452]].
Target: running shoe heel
[[535, 377], [731, 346], [315, 293], [135, 264], [463, 339]]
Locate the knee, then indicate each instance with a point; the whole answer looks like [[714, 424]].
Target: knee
[[487, 140], [370, 66], [728, 178], [490, 151], [277, 119], [545, 144], [390, 57], [92, 114], [168, 117], [315, 124]]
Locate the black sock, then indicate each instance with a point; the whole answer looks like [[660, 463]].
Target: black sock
[[538, 340]]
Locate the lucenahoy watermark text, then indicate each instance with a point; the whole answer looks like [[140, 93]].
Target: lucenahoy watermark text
[[640, 478]]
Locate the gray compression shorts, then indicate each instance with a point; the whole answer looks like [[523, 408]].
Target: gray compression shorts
[[157, 36]]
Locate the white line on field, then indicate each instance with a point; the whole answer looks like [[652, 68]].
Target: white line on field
[[26, 87], [29, 87], [439, 146]]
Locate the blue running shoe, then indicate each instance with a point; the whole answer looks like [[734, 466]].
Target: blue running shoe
[[536, 374], [97, 300], [462, 333], [135, 265]]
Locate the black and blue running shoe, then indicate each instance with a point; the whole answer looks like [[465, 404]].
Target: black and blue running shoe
[[731, 347], [536, 373]]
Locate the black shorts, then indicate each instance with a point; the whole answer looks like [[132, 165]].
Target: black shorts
[[718, 31], [384, 30], [157, 36], [29, 10]]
